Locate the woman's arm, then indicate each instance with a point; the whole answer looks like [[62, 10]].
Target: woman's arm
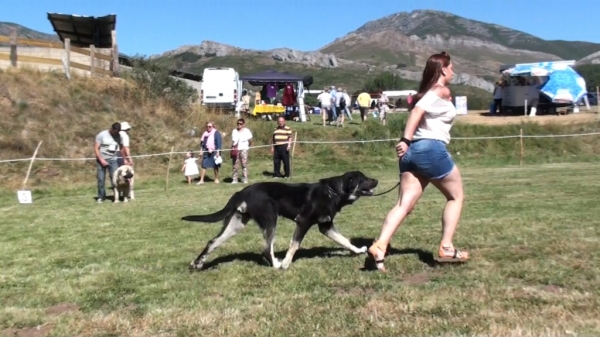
[[413, 122]]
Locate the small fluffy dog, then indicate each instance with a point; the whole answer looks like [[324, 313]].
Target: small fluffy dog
[[123, 183]]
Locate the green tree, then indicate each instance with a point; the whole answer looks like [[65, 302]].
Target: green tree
[[387, 81], [591, 74], [155, 81]]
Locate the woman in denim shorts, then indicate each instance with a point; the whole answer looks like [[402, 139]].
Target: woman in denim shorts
[[424, 159]]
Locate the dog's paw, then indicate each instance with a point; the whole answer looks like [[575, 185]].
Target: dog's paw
[[362, 250], [194, 266], [116, 201], [276, 264], [125, 200], [286, 264]]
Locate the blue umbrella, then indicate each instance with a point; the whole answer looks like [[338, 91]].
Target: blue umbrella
[[564, 85]]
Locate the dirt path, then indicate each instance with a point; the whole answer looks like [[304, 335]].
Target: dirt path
[[476, 117]]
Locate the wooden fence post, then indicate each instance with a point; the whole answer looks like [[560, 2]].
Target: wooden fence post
[[92, 57], [292, 156], [67, 62], [115, 54], [597, 98], [31, 165], [522, 148], [169, 168], [13, 47]]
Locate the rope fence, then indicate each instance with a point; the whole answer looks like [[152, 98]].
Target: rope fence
[[520, 136]]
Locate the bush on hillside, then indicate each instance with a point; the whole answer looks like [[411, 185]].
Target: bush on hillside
[[591, 74], [155, 82]]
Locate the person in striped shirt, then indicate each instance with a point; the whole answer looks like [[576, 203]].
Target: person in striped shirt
[[282, 142]]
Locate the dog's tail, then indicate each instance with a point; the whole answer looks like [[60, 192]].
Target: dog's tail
[[232, 204]]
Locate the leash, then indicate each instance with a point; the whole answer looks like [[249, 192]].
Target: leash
[[388, 191]]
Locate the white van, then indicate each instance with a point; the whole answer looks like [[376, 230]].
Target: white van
[[221, 88]]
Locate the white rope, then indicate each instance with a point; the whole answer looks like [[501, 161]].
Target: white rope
[[314, 142]]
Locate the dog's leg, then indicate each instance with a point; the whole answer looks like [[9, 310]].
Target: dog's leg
[[268, 252], [329, 230], [126, 194], [116, 194], [297, 238], [232, 225]]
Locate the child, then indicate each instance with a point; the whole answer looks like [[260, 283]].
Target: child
[[190, 167]]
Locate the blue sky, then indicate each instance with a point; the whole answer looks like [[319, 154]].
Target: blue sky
[[152, 26]]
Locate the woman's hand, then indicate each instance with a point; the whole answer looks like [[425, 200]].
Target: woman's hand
[[401, 149]]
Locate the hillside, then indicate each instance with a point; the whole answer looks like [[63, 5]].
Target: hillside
[[26, 33], [399, 43], [406, 39]]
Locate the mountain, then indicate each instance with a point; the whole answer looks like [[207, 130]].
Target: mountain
[[407, 39], [26, 33], [399, 43]]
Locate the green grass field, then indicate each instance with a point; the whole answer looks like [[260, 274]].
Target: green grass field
[[71, 267]]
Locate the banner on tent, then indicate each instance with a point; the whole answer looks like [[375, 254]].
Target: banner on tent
[[461, 105]]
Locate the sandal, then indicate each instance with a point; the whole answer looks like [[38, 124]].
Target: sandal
[[371, 260], [451, 254]]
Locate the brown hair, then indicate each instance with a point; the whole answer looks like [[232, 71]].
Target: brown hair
[[431, 74]]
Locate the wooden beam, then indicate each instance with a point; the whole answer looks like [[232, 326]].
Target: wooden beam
[[115, 54], [67, 64], [92, 57], [33, 59], [87, 68], [13, 47]]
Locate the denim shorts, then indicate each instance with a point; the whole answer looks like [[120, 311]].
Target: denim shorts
[[428, 158]]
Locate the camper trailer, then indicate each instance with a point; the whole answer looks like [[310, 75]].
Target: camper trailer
[[523, 84], [221, 88]]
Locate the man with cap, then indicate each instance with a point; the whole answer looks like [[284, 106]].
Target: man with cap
[[107, 143], [124, 156]]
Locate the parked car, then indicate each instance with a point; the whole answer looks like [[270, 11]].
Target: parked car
[[592, 98]]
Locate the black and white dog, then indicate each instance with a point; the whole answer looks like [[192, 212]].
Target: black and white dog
[[306, 203]]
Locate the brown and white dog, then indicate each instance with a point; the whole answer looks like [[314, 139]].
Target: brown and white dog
[[123, 183]]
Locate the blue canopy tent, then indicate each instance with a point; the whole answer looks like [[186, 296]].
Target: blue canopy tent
[[564, 84]]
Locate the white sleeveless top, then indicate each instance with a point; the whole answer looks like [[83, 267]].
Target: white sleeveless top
[[437, 119]]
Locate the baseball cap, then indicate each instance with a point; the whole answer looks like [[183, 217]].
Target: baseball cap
[[125, 126]]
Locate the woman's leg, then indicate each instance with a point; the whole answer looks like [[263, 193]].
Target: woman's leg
[[236, 164], [202, 173], [244, 159], [452, 188], [411, 189], [216, 174]]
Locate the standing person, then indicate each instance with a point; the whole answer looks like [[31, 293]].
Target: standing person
[[425, 159], [107, 143], [339, 101], [382, 105], [347, 105], [364, 103], [282, 142], [241, 139], [190, 167], [210, 152], [325, 100], [124, 156], [334, 115], [498, 94]]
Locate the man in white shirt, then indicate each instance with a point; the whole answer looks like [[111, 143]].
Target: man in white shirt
[[325, 99], [241, 139], [124, 156], [107, 143]]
